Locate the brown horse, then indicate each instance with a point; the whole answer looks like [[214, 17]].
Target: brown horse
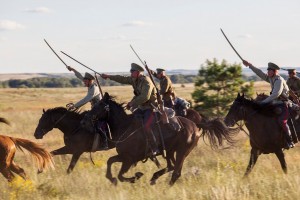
[[264, 131], [8, 146], [132, 144]]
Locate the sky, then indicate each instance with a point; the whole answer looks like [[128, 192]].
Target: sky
[[170, 34]]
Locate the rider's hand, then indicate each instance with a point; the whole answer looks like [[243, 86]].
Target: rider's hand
[[105, 76], [70, 106], [70, 68], [246, 63], [129, 105]]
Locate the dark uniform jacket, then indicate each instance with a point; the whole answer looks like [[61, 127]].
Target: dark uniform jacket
[[144, 90], [166, 88], [294, 84]]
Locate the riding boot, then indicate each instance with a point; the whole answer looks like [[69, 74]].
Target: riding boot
[[289, 139], [104, 143], [153, 144]]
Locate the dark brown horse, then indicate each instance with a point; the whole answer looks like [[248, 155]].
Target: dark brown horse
[[264, 131], [132, 145], [8, 146], [77, 139]]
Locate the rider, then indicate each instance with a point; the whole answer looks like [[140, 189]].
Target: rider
[[93, 96], [278, 95], [293, 82], [144, 96], [166, 88]]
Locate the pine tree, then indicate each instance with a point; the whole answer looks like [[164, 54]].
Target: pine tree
[[217, 86]]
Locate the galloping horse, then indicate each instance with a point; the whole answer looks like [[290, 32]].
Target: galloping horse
[[132, 145], [77, 139], [265, 133], [8, 146]]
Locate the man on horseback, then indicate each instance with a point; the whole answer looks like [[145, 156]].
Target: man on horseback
[[293, 82], [144, 98], [166, 88], [93, 96], [278, 95]]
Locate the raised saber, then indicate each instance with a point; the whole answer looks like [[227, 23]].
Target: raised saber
[[232, 45], [89, 69], [56, 54]]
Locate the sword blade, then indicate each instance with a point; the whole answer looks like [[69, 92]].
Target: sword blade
[[231, 45], [55, 53]]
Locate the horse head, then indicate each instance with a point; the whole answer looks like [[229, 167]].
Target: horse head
[[54, 118], [236, 111], [44, 126], [99, 112]]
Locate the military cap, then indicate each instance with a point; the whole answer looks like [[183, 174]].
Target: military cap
[[136, 67], [291, 70], [272, 66], [88, 76], [159, 70]]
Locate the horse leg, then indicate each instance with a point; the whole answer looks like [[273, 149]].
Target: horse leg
[[110, 161], [253, 158], [73, 162], [18, 170], [170, 158], [7, 174], [124, 168], [280, 156], [62, 151], [180, 156]]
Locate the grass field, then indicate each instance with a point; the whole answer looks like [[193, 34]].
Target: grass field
[[207, 173]]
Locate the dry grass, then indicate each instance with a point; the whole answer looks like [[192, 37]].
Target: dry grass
[[206, 174]]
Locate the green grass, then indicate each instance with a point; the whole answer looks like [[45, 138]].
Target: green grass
[[206, 174]]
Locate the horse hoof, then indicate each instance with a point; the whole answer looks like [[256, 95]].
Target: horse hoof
[[138, 175], [39, 171], [152, 182], [114, 181]]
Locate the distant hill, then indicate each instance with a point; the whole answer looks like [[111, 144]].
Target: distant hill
[[22, 76]]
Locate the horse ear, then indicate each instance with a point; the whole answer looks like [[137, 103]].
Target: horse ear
[[243, 95], [44, 110], [238, 95], [105, 97]]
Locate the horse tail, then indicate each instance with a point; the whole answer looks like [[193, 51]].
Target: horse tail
[[3, 120], [42, 157], [216, 132]]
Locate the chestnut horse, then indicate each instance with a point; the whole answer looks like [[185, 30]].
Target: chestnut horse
[[8, 146], [132, 144]]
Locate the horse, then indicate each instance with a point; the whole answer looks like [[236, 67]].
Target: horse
[[132, 145], [264, 131], [8, 146], [77, 139]]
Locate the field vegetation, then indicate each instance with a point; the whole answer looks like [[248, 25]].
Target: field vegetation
[[207, 174]]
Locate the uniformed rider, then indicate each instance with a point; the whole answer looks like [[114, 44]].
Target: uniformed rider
[[166, 88], [278, 95], [144, 96], [293, 82], [93, 96]]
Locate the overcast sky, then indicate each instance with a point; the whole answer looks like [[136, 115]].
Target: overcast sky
[[170, 34]]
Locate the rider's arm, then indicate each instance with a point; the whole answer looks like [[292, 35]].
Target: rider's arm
[[121, 79], [276, 92], [92, 92], [259, 73]]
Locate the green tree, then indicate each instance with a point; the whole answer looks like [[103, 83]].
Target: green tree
[[217, 86]]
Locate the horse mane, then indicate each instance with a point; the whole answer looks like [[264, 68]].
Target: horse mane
[[76, 114], [119, 106], [267, 110]]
